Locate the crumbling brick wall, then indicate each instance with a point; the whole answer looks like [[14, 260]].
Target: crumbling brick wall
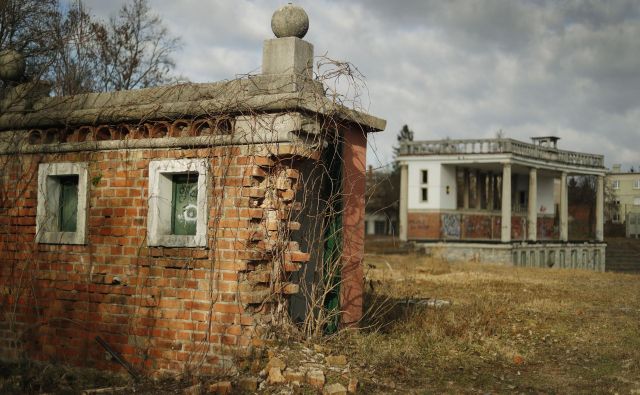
[[161, 308]]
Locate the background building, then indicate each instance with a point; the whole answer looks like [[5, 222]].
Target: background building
[[381, 211], [625, 194], [493, 199]]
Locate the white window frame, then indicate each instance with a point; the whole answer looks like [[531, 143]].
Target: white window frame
[[424, 185], [615, 184], [160, 195], [47, 231], [636, 201], [636, 184]]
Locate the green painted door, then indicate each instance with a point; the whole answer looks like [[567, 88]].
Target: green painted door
[[333, 235]]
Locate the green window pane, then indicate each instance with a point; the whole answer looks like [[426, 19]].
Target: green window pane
[[184, 204], [68, 214]]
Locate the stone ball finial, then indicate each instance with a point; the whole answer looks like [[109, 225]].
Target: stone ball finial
[[12, 65], [290, 21]]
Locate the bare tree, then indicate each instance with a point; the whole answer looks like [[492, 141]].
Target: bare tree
[[77, 63], [79, 53], [28, 27], [135, 49]]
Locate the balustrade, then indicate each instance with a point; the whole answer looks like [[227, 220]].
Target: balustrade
[[496, 146]]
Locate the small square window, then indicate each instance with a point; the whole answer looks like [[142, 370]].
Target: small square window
[[424, 194], [615, 184], [636, 184], [425, 176], [62, 203], [177, 203]]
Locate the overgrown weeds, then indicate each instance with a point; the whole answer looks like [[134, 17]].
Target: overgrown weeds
[[31, 377], [507, 329]]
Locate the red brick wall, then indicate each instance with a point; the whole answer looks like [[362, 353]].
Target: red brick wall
[[473, 226], [581, 222], [162, 308], [423, 226], [548, 228]]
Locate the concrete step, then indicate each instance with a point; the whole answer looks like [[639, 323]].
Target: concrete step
[[621, 264], [618, 270]]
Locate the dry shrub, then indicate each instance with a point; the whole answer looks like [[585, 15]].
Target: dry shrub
[[30, 377]]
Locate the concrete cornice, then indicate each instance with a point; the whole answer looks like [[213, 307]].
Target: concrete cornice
[[262, 93], [503, 158]]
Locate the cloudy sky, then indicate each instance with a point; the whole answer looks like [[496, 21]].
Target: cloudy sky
[[458, 69]]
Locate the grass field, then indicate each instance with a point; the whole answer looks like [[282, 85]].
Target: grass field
[[508, 330]]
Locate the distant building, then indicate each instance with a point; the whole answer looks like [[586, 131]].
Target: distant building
[[493, 200], [625, 194], [381, 210]]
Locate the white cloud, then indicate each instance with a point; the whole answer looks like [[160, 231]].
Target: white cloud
[[462, 69]]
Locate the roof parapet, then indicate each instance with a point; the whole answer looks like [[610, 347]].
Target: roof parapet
[[499, 146]]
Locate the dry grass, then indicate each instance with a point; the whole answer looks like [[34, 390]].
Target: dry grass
[[508, 330]]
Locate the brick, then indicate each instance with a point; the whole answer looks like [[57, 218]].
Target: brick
[[262, 276], [254, 192], [221, 388], [156, 298], [293, 376], [291, 266], [263, 161], [290, 289], [255, 297], [297, 256], [334, 389], [255, 171], [315, 378]]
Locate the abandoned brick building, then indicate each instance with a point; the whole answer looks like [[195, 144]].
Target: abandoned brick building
[[179, 223], [495, 200]]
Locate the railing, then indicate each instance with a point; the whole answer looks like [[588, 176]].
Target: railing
[[500, 146]]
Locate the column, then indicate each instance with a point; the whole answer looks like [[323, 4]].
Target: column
[[506, 203], [533, 204], [564, 208], [404, 201], [479, 190], [490, 191], [600, 209], [495, 191], [465, 190], [353, 189]]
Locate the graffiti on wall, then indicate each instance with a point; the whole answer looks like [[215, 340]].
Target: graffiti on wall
[[476, 227], [450, 226]]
